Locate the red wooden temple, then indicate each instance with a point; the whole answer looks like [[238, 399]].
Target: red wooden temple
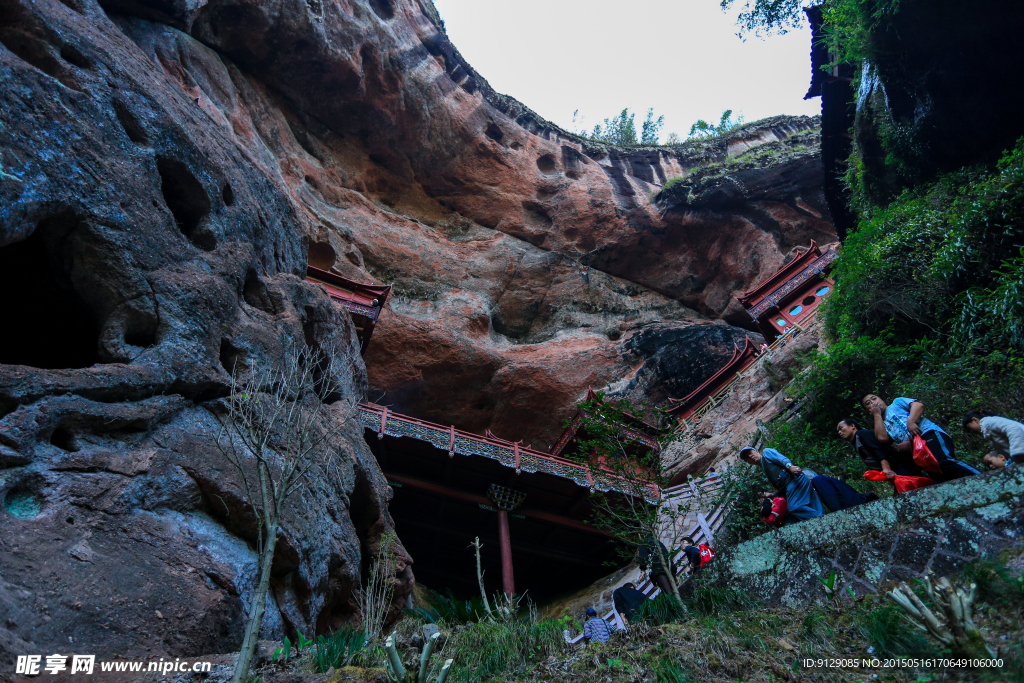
[[791, 293], [641, 433], [451, 484], [682, 408], [362, 300]]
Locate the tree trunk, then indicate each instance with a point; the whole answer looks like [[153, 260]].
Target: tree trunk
[[259, 601], [667, 564]]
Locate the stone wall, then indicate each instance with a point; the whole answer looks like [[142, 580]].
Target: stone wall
[[873, 546]]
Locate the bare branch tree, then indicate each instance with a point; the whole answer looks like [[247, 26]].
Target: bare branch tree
[[632, 513], [956, 628], [279, 428], [375, 597], [476, 545]]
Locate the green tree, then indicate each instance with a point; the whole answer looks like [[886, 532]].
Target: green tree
[[634, 475], [651, 128], [703, 129], [619, 130], [767, 17]]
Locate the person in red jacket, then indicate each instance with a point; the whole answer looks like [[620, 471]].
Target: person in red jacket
[[773, 510]]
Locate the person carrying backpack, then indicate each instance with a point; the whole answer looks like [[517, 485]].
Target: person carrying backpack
[[790, 481], [649, 556]]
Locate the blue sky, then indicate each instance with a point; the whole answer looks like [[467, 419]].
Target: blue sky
[[681, 57]]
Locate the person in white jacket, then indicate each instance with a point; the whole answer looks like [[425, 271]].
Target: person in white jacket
[[1005, 435]]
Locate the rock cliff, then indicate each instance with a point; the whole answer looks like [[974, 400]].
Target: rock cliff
[[166, 169], [873, 546]]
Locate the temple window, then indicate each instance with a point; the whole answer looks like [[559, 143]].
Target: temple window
[[796, 310], [823, 290]]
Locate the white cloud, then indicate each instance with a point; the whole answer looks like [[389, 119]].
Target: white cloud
[[681, 57]]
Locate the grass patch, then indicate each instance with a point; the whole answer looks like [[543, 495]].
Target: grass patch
[[889, 631], [490, 648]]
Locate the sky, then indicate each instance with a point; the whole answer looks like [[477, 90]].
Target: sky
[[681, 57]]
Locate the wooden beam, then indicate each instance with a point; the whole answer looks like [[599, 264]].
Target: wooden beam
[[474, 499], [583, 558]]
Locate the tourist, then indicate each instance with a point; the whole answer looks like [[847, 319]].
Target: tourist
[[792, 483], [898, 423], [1005, 435], [876, 456], [692, 554], [996, 461], [650, 557], [596, 628], [627, 600], [773, 510], [837, 495]]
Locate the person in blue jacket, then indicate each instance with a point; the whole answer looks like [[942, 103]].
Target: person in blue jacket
[[899, 422], [792, 482]]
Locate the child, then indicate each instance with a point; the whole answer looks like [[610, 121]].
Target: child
[[773, 510], [996, 461]]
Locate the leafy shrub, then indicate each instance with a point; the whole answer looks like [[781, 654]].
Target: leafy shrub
[[663, 609], [449, 610], [996, 585], [338, 649], [703, 601]]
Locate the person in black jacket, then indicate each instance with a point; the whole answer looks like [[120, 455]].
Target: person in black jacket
[[875, 455], [650, 557], [627, 599], [692, 554]]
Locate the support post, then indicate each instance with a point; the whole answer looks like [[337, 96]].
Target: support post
[[508, 583], [505, 500]]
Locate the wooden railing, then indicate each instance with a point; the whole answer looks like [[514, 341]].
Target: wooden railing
[[509, 453]]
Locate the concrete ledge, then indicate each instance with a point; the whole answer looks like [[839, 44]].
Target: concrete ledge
[[939, 528]]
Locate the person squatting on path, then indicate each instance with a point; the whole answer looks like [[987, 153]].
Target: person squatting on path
[[1005, 435], [650, 557], [596, 628], [899, 422], [792, 483], [877, 457], [773, 508], [627, 600]]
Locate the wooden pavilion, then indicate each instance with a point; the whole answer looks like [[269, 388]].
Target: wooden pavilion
[[363, 301], [791, 293]]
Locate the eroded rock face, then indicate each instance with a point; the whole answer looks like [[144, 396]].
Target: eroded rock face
[[146, 255], [165, 167]]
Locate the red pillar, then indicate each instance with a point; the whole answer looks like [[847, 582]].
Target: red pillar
[[507, 582]]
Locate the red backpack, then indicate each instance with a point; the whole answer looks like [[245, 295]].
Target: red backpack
[[706, 554]]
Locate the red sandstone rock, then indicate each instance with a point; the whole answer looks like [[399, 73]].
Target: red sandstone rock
[[158, 192]]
